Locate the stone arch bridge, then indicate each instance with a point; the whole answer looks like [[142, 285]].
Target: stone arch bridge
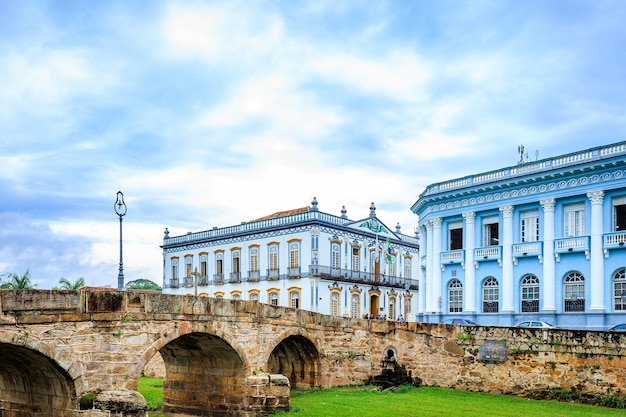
[[238, 358]]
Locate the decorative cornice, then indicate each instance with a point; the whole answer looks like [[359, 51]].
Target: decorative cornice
[[531, 190]]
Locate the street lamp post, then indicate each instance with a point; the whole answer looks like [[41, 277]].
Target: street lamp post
[[120, 210]]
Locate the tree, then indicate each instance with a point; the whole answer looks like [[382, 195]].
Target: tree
[[142, 284], [18, 282], [66, 284]]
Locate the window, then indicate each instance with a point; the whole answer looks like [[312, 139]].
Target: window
[[334, 303], [188, 266], [407, 306], [491, 229], [254, 296], [355, 307], [574, 217], [174, 268], [619, 214], [273, 297], [235, 258], [355, 258], [336, 255], [407, 267], [203, 265], [619, 290], [219, 266], [294, 255], [574, 292], [529, 226], [236, 296], [392, 266], [490, 295], [530, 294], [294, 296], [392, 308], [455, 296], [456, 235], [274, 258], [254, 259]]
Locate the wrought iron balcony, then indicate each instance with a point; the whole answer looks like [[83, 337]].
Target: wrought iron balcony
[[234, 277], [273, 274], [174, 283], [218, 279], [188, 282], [361, 277], [203, 281]]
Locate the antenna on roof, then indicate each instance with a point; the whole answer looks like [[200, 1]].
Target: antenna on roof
[[523, 156]]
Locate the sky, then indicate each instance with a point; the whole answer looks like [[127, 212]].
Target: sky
[[209, 113]]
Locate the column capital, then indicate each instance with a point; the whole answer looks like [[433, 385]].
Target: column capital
[[596, 197], [548, 204], [469, 217], [507, 211], [435, 222]]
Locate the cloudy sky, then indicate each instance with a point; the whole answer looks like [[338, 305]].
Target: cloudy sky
[[209, 113]]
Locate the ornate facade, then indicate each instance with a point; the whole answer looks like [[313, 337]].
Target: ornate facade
[[541, 240], [301, 258]]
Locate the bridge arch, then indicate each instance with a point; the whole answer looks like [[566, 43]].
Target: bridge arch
[[297, 358], [204, 373], [32, 383]]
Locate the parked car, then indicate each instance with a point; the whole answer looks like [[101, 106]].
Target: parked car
[[534, 323], [458, 321], [618, 328]]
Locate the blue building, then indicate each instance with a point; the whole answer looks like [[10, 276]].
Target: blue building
[[540, 240]]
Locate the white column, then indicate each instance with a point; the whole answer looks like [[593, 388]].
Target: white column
[[507, 258], [436, 222], [422, 272], [429, 267], [548, 282], [597, 257], [469, 293]]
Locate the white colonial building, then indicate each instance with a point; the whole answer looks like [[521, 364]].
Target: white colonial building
[[301, 258], [538, 240]]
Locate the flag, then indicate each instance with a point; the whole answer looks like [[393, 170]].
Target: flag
[[389, 251]]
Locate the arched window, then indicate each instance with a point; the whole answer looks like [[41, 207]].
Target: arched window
[[334, 303], [407, 306], [294, 297], [392, 308], [294, 255], [355, 305], [218, 277], [455, 296], [335, 256], [491, 295], [254, 296], [407, 268], [273, 272], [175, 270], [273, 298], [355, 258], [574, 292], [254, 259], [530, 294], [619, 290]]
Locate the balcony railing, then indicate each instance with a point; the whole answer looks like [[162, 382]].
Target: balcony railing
[[174, 283], [203, 281], [293, 272], [361, 277], [488, 253], [571, 245], [524, 249], [218, 279], [273, 274], [234, 277], [456, 256], [254, 276], [188, 282]]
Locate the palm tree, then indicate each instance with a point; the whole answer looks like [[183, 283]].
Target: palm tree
[[18, 282], [66, 284]]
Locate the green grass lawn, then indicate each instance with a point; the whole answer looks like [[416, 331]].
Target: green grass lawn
[[406, 402]]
